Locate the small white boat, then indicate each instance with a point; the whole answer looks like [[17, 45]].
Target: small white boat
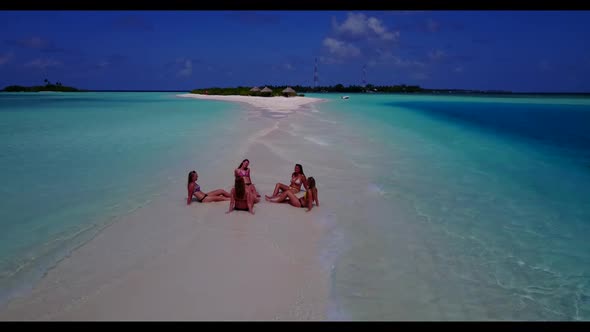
[[345, 97]]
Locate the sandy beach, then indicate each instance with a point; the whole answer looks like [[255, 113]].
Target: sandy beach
[[271, 104], [169, 261]]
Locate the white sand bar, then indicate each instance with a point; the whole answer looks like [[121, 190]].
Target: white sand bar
[[170, 261], [275, 104]]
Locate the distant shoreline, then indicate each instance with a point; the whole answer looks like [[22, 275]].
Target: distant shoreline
[[275, 105], [446, 92], [455, 92], [49, 87]]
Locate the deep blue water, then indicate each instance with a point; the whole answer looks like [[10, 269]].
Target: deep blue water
[[563, 126]]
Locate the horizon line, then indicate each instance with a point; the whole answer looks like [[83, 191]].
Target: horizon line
[[434, 89]]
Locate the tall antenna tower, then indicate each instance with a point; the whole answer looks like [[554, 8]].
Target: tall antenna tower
[[315, 74], [364, 76]]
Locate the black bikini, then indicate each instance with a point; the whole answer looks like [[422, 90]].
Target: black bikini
[[197, 189]]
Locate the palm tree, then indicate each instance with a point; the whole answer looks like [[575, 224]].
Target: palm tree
[[46, 81]]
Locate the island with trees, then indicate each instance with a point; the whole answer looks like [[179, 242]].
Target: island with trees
[[56, 87], [273, 90]]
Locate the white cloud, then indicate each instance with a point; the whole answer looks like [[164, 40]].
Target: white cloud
[[359, 25], [458, 69], [378, 28], [357, 36], [5, 58], [187, 69], [353, 25], [43, 63], [340, 48]]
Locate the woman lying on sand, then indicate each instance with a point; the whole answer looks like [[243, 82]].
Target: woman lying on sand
[[195, 190], [297, 179], [306, 201], [244, 172], [241, 198]]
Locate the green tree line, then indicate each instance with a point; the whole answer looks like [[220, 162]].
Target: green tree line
[[277, 89], [47, 87]]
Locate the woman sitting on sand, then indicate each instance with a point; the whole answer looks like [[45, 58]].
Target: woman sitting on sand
[[244, 172], [311, 195], [297, 179], [195, 190], [241, 199]]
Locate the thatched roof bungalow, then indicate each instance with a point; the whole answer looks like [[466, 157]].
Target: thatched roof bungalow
[[266, 91], [255, 91], [289, 92]]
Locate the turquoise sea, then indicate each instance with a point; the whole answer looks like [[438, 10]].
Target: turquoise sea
[[464, 208], [475, 207], [72, 163]]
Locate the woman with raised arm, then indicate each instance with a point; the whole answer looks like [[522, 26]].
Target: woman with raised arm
[[244, 171]]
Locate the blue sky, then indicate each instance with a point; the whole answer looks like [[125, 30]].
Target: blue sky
[[545, 51]]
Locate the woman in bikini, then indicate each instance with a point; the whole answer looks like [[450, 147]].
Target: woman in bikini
[[310, 196], [297, 179], [194, 190], [241, 198], [244, 172]]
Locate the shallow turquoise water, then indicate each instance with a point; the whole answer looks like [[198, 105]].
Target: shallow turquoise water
[[71, 163], [476, 208], [466, 208]]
